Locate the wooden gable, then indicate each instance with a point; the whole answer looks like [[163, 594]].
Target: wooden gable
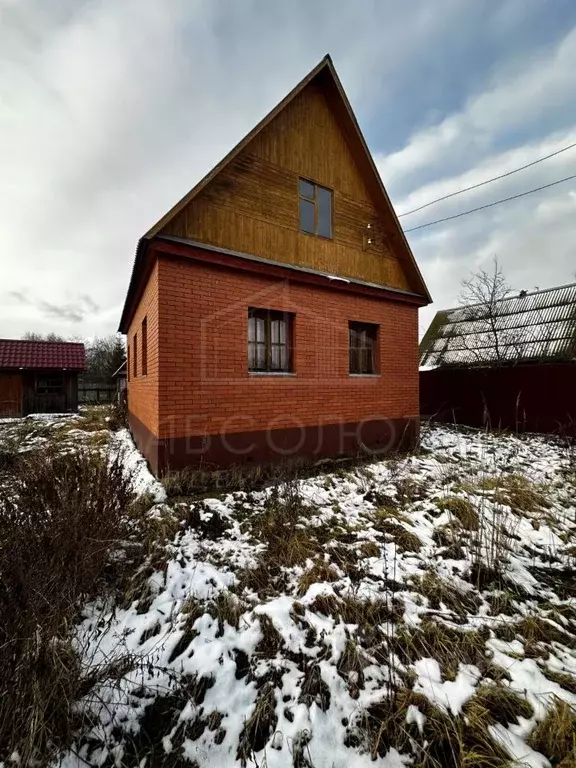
[[249, 203]]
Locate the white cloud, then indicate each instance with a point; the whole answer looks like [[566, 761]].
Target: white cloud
[[542, 85], [532, 236], [109, 112]]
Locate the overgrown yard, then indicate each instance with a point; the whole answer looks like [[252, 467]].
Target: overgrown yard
[[415, 611]]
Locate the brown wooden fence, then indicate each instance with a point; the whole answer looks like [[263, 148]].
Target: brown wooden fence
[[535, 398]]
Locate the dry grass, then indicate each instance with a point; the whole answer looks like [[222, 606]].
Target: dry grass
[[271, 641], [314, 689], [369, 549], [518, 492], [389, 521], [321, 571], [555, 736], [564, 679], [444, 742], [61, 518], [350, 667], [92, 418], [193, 482], [368, 614], [259, 727], [226, 608], [535, 629], [462, 510], [497, 704], [502, 602], [441, 593], [450, 647], [282, 526], [450, 537]]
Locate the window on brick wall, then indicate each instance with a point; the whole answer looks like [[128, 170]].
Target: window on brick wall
[[128, 361], [145, 347], [269, 341], [363, 339], [135, 355], [315, 209]]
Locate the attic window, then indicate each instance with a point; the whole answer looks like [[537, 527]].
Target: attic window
[[315, 209]]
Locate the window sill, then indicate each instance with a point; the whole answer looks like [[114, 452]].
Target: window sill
[[271, 373], [314, 234], [365, 375]]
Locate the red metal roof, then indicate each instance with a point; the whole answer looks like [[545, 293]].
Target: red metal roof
[[42, 355]]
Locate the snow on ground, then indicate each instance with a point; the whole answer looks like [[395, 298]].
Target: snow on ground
[[280, 623]]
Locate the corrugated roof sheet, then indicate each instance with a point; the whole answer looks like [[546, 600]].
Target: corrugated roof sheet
[[42, 355], [528, 327]]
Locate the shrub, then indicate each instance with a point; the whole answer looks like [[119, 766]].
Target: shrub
[[60, 518]]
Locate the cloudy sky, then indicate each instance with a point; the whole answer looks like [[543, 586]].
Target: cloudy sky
[[110, 110]]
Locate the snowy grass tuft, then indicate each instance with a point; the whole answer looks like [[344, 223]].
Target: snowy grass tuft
[[413, 611]]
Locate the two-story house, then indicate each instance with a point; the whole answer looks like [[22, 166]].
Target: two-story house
[[273, 312]]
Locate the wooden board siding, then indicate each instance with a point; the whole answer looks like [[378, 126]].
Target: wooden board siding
[[252, 204], [10, 394]]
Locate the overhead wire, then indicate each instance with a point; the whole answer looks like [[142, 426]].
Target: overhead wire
[[490, 205], [487, 181]]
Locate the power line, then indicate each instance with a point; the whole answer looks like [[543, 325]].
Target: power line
[[488, 181], [489, 205]]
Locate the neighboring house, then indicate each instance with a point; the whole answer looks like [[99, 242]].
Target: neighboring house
[[511, 366], [273, 312], [39, 376]]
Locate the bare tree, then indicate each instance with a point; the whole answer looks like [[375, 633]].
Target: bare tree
[[482, 295], [33, 336], [493, 330]]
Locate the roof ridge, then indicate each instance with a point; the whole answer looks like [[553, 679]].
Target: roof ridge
[[511, 297]]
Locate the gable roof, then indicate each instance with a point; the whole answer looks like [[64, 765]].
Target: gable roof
[[18, 354], [539, 326], [325, 74]]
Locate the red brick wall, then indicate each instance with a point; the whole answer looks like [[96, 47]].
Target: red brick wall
[[204, 385], [143, 390]]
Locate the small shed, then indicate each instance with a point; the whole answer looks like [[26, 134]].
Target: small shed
[[39, 376], [510, 365]]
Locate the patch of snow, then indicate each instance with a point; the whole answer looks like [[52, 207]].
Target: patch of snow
[[136, 466], [450, 695]]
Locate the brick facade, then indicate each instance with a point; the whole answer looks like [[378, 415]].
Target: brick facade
[[198, 385], [143, 390]]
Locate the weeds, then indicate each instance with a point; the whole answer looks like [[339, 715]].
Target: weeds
[[260, 726], [450, 647], [462, 510], [319, 572], [438, 741], [497, 704], [518, 492], [389, 521], [555, 736], [59, 521], [563, 679], [271, 641], [439, 592]]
